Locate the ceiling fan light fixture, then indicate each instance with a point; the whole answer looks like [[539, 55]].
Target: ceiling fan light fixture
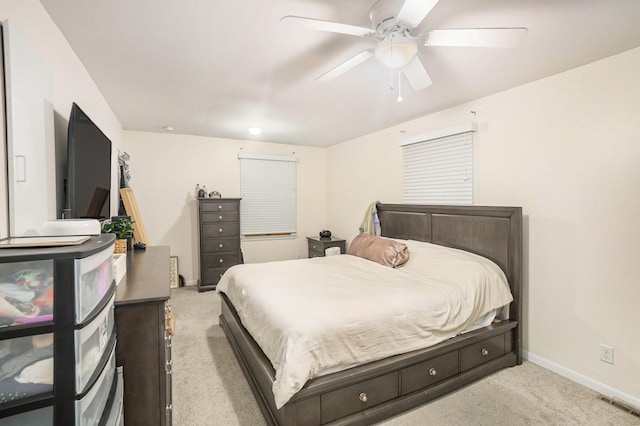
[[396, 51], [255, 131]]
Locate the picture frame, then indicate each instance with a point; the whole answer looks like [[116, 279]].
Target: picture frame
[[174, 276]]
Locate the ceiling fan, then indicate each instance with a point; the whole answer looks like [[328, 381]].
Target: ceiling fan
[[391, 24]]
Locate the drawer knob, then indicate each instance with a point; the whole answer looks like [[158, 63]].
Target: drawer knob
[[362, 397], [219, 207], [432, 371], [220, 245], [315, 246], [220, 230], [169, 407], [220, 217], [484, 352], [221, 261]]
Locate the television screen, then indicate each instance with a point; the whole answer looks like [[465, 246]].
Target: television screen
[[89, 168]]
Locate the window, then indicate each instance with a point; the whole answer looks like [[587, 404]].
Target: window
[[268, 191], [438, 168]]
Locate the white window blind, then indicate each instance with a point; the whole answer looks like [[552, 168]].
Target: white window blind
[[439, 170], [268, 190]]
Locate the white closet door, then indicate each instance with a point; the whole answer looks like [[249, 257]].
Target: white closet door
[[30, 137]]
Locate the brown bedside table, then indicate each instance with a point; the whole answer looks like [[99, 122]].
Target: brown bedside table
[[318, 245]]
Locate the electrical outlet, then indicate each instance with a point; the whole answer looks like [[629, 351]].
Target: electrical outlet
[[606, 353]]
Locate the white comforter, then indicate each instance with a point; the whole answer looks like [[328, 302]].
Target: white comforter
[[314, 315]]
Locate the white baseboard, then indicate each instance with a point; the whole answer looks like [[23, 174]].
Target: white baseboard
[[601, 388], [190, 282]]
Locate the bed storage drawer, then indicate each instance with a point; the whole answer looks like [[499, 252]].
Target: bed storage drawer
[[352, 399], [429, 372], [481, 352]]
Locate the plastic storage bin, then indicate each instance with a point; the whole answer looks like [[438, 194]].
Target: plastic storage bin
[[90, 344], [26, 292], [90, 408], [94, 276]]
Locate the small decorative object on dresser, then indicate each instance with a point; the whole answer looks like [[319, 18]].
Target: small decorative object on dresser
[[318, 245], [123, 228]]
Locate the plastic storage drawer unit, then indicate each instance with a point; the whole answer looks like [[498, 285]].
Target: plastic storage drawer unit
[[90, 344], [90, 408], [26, 367], [94, 277], [26, 292]]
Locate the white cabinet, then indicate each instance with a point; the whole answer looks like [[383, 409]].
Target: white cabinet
[[30, 136]]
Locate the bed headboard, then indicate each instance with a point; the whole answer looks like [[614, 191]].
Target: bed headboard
[[492, 232]]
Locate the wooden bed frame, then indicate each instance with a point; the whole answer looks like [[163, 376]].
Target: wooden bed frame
[[380, 389]]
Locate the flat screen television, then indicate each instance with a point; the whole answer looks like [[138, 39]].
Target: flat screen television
[[89, 168]]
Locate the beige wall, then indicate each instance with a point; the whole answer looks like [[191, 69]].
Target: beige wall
[[567, 150], [165, 169]]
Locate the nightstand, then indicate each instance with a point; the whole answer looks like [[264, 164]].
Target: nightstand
[[318, 245]]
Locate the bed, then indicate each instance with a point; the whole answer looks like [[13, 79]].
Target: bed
[[384, 387]]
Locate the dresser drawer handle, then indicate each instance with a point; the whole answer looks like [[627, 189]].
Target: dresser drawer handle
[[220, 230], [170, 407], [220, 245], [219, 206], [484, 352], [220, 217], [221, 260], [432, 371], [362, 397], [315, 246]]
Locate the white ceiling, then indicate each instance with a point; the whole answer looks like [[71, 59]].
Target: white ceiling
[[215, 68]]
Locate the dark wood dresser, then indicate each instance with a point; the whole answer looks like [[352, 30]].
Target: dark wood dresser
[[219, 220], [144, 337]]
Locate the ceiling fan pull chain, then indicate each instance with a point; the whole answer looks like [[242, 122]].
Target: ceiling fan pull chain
[[399, 87]]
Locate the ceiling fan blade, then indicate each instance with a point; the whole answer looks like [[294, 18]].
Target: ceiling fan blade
[[320, 25], [417, 74], [346, 65], [477, 37], [413, 12]]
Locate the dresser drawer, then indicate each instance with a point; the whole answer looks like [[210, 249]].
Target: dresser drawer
[[358, 397], [481, 352], [223, 216], [223, 260], [315, 252], [220, 245], [429, 372], [219, 206], [212, 276], [223, 229]]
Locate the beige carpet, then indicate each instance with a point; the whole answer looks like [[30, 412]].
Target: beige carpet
[[210, 389]]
